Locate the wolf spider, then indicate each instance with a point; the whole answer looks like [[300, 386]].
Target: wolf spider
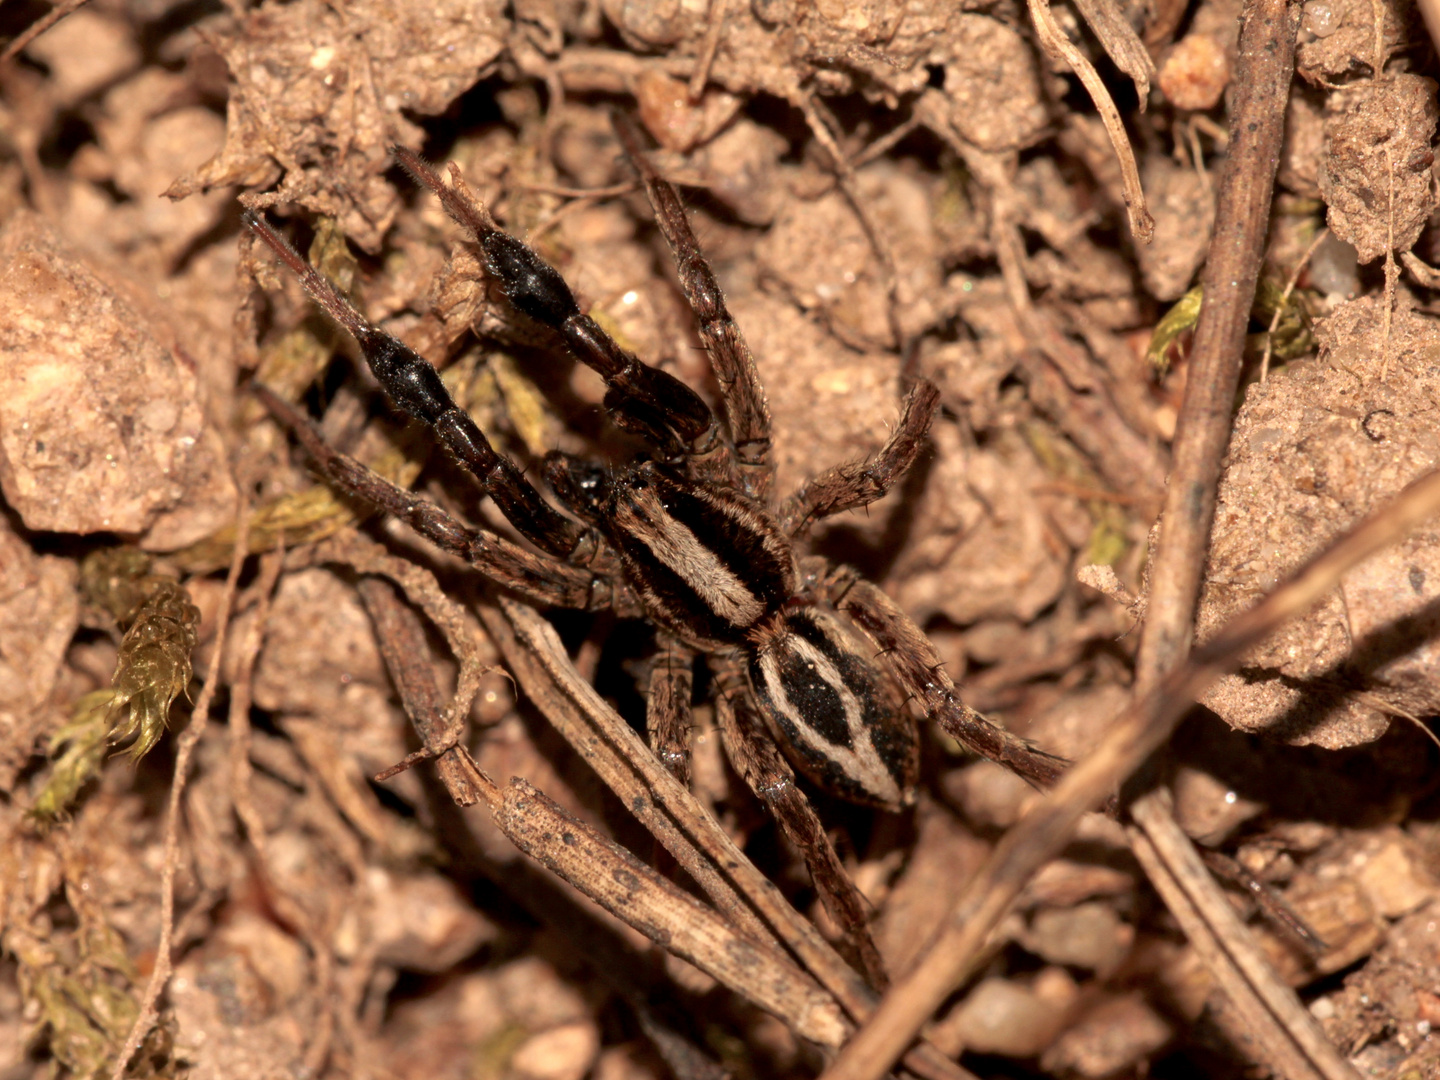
[[803, 654]]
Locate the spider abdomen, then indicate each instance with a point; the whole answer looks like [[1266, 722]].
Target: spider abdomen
[[706, 562], [835, 712]]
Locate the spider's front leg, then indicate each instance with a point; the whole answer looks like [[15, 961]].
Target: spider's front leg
[[857, 484], [747, 413], [668, 720], [540, 579], [414, 387], [661, 402]]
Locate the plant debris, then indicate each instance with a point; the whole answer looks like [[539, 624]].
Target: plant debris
[[886, 192]]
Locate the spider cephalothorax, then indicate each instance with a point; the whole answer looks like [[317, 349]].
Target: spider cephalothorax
[[691, 539]]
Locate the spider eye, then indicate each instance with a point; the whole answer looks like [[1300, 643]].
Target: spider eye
[[581, 485]]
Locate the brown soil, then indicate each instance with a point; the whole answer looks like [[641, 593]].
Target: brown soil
[[975, 234]]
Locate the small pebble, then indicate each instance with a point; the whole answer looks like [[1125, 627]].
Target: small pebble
[[1320, 19], [1196, 73]]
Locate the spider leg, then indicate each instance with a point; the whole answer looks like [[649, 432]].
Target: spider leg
[[752, 751], [536, 288], [416, 390], [640, 419], [859, 483], [746, 411], [921, 673], [667, 706], [541, 579]]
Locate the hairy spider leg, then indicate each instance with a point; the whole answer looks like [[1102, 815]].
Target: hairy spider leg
[[632, 415], [767, 774], [540, 579], [856, 484], [921, 673], [414, 387], [747, 413], [535, 288]]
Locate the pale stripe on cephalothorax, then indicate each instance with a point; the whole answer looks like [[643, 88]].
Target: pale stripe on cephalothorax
[[645, 518], [793, 666]]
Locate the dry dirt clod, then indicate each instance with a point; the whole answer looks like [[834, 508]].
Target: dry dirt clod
[[1183, 202], [1195, 72], [1338, 39], [317, 96], [1375, 176], [1316, 446], [39, 613], [1112, 1036], [102, 426]]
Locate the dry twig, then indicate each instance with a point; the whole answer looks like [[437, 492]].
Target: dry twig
[[1140, 730], [439, 734], [751, 903], [630, 890], [1054, 41], [1266, 63], [1121, 43]]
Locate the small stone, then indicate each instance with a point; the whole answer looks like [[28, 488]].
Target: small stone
[[1196, 73], [1001, 1016], [1088, 936], [80, 449], [561, 1053], [1112, 1038]]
